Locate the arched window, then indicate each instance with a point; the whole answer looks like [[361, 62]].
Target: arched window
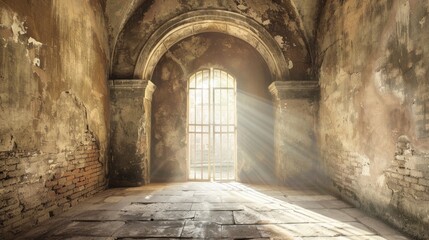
[[212, 122]]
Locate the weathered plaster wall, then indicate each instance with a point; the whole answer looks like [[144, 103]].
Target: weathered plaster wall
[[53, 108], [279, 19], [255, 126], [374, 61]]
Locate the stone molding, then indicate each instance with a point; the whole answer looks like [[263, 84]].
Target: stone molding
[[281, 90], [128, 83], [201, 21], [150, 88]]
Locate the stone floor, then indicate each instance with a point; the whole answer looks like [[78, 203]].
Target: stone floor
[[212, 210]]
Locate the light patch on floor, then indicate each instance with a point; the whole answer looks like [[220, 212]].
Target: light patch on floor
[[213, 210]]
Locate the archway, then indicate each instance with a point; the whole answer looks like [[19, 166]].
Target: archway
[[254, 109], [139, 53], [219, 21]]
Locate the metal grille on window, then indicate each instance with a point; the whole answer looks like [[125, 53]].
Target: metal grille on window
[[211, 126]]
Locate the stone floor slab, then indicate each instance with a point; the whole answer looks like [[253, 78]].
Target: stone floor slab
[[336, 204], [173, 215], [156, 207], [202, 229], [314, 230], [219, 217], [354, 212], [328, 215], [251, 217], [240, 231], [159, 229], [217, 207], [295, 198], [100, 215], [263, 207], [378, 226], [78, 238], [96, 229], [308, 204], [47, 228]]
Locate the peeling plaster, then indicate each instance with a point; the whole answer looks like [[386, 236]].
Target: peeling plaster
[[365, 166], [279, 40], [36, 62], [290, 64], [422, 21], [17, 28], [34, 42], [381, 181]]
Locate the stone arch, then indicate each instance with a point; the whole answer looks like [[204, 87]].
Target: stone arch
[[201, 21]]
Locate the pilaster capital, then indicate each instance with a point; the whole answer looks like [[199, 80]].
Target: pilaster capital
[[281, 90]]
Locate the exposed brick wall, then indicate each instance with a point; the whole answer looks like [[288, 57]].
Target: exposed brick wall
[[36, 186], [344, 172], [408, 177]]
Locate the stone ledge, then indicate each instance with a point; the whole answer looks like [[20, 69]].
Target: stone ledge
[[294, 89]]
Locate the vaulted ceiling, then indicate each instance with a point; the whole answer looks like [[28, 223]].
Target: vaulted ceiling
[[291, 23]]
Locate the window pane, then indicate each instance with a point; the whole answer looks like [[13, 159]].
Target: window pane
[[192, 81], [224, 80], [211, 112], [191, 128], [199, 79], [216, 78], [231, 81]]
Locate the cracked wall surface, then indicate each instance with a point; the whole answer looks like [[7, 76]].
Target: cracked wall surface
[[373, 59], [53, 108]]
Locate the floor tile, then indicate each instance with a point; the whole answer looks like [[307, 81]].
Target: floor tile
[[151, 229], [174, 215], [201, 229], [219, 217], [217, 206], [98, 229], [240, 231]]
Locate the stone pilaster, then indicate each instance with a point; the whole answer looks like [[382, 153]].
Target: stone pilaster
[[296, 109], [130, 131]]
